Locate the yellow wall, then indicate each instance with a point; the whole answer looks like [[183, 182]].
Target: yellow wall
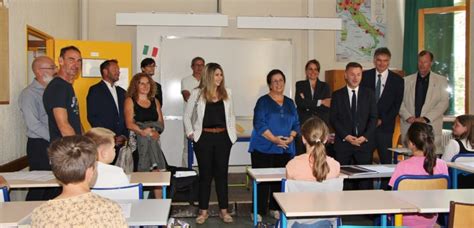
[[120, 51]]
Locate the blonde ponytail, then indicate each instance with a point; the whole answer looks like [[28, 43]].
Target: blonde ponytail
[[315, 132]]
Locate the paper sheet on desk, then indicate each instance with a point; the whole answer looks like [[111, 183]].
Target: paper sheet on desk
[[126, 209], [268, 171], [185, 173], [379, 168], [31, 176]]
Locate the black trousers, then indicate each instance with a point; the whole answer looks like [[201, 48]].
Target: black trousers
[[212, 153], [355, 156], [37, 154], [265, 190], [383, 141]]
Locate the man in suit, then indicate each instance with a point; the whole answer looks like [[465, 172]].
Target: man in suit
[[105, 103], [425, 98], [354, 116], [148, 66], [388, 89]]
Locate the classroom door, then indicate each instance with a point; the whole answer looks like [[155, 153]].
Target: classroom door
[[93, 54]]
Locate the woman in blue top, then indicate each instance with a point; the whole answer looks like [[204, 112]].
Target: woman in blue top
[[275, 126]]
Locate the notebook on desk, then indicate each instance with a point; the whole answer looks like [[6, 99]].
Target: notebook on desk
[[356, 170]]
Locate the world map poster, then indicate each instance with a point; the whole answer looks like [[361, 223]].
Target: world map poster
[[363, 29]]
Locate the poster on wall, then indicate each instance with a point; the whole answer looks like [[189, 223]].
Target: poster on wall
[[363, 29]]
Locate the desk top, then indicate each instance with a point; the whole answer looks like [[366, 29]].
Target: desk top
[[267, 174], [142, 212], [310, 204], [408, 152], [12, 213], [434, 201], [146, 178], [464, 166], [381, 171]]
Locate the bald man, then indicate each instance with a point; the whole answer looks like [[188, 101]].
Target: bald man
[[36, 119]]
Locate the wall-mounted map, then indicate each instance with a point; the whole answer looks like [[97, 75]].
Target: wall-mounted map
[[363, 29]]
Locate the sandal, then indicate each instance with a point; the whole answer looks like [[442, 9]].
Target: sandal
[[201, 219], [226, 218]]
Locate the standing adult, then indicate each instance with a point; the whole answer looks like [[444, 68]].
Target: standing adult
[[275, 126], [187, 85], [213, 134], [312, 97], [36, 119], [105, 102], [425, 98], [388, 89], [148, 66], [59, 98], [354, 117]]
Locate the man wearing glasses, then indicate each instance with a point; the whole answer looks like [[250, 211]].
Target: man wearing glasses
[[36, 119]]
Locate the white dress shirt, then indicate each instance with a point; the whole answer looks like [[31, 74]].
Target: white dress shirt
[[113, 91], [349, 90]]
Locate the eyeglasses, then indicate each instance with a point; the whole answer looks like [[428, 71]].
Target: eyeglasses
[[277, 81]]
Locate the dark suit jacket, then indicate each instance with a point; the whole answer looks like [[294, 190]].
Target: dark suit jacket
[[307, 107], [159, 94], [341, 118], [102, 111], [389, 103]]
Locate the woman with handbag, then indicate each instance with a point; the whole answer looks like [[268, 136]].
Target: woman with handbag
[[144, 118], [212, 130]]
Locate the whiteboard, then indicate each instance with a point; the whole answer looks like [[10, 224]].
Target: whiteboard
[[245, 62]]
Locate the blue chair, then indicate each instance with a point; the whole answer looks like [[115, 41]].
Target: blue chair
[[121, 193], [461, 157], [420, 182], [5, 196], [311, 186]]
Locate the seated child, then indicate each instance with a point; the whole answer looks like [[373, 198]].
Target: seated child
[[423, 162], [107, 175], [73, 162], [463, 141], [314, 164]]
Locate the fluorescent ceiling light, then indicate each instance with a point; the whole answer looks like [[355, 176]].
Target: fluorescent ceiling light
[[290, 23], [172, 19]]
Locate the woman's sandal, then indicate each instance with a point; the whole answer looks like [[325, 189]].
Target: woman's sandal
[[226, 218], [201, 219]]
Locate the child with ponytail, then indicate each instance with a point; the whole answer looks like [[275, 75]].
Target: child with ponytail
[[314, 164], [423, 162]]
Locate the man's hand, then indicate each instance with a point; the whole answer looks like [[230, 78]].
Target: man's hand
[[352, 140], [411, 119], [326, 102], [361, 140], [379, 122]]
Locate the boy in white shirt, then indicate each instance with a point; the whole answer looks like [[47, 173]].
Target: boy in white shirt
[[107, 175]]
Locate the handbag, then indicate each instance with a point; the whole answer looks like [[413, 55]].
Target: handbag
[[125, 157], [194, 115]]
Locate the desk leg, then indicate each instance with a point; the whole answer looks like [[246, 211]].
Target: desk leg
[[283, 220], [255, 214], [455, 178], [383, 220], [395, 157], [190, 154], [163, 192]]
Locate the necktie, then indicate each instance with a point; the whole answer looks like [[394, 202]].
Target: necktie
[[378, 86], [354, 112]]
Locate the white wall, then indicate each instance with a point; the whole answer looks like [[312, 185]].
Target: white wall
[[58, 18]]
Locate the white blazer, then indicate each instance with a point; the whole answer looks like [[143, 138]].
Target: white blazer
[[436, 103], [196, 129]]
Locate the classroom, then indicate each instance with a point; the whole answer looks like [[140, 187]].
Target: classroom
[[247, 39]]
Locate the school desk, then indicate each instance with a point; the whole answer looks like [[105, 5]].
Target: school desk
[[339, 203], [456, 166]]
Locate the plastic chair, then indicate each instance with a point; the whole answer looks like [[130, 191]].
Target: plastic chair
[[330, 185], [419, 182], [121, 193], [460, 214], [5, 196]]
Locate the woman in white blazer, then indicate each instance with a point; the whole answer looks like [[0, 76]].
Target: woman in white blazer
[[213, 133]]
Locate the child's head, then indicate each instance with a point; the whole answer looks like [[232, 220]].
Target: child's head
[[315, 133], [463, 127], [73, 159], [104, 139], [421, 137]]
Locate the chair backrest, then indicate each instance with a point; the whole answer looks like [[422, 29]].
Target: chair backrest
[[463, 157], [422, 182], [121, 193], [4, 196], [461, 214], [335, 184]]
